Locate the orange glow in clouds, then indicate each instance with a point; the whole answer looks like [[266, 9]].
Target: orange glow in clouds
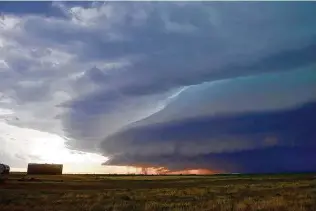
[[146, 170]]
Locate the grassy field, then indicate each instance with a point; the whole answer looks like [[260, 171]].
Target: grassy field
[[101, 192]]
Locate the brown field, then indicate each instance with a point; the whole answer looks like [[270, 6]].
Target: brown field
[[102, 192]]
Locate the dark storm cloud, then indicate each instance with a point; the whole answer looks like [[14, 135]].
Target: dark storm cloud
[[23, 8], [173, 45], [265, 160], [179, 46], [45, 9], [163, 78], [150, 75], [247, 142], [226, 40]]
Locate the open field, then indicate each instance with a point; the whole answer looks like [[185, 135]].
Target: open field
[[101, 192]]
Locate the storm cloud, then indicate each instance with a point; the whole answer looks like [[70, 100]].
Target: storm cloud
[[247, 142], [153, 82]]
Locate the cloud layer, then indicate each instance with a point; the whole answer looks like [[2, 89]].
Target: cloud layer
[[251, 141], [101, 73]]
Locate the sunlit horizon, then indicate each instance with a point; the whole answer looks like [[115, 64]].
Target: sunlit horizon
[[125, 170], [44, 147]]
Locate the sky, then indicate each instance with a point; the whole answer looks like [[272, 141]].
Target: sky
[[193, 87]]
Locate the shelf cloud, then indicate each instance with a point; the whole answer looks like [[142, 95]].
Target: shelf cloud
[[227, 86]]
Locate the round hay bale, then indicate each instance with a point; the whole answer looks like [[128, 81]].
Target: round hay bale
[[2, 168]]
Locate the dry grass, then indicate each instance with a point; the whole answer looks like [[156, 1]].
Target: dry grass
[[97, 192]]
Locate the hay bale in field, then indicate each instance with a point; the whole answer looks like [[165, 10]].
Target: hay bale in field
[[1, 169], [4, 169], [47, 169]]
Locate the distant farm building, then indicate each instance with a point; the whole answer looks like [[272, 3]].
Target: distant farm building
[[52, 169]]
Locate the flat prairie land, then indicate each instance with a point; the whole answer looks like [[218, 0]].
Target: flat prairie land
[[287, 192]]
